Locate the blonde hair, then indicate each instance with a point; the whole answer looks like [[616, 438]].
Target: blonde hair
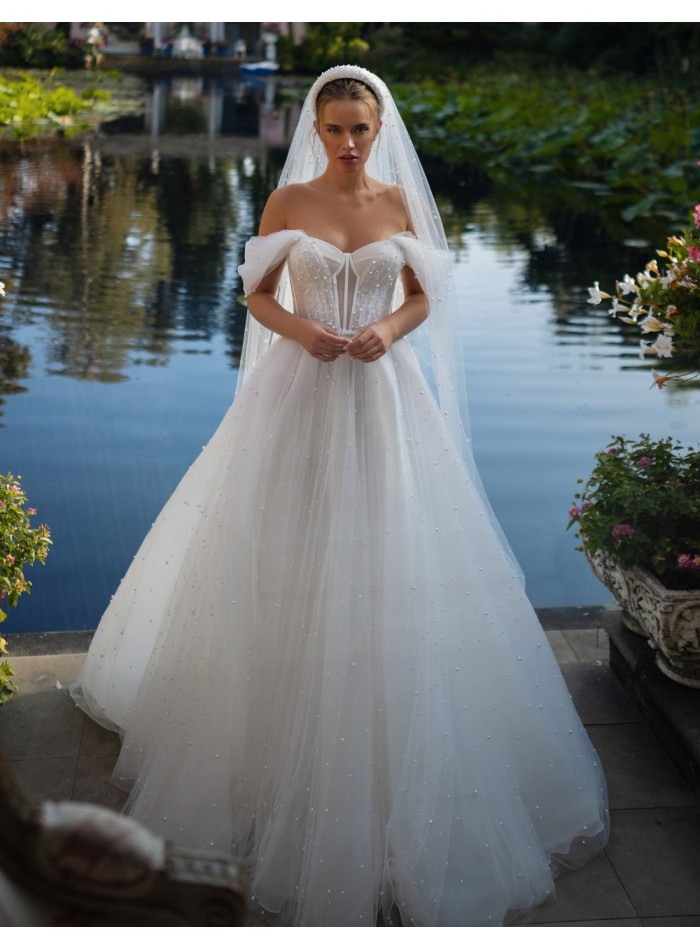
[[339, 89]]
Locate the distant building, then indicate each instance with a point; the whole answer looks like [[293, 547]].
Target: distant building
[[241, 40]]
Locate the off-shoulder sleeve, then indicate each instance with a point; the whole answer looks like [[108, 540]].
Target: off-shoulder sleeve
[[430, 265], [263, 254]]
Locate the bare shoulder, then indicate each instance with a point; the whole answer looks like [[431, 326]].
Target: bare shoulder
[[397, 196], [394, 193], [393, 199], [281, 206]]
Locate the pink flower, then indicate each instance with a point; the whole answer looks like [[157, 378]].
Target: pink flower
[[612, 451], [31, 511], [9, 559], [574, 512], [685, 560], [622, 531], [644, 461], [586, 504], [694, 254], [697, 213]]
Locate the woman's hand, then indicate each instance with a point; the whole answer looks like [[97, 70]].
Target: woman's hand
[[320, 341], [371, 343]]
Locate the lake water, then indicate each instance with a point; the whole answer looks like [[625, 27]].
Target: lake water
[[122, 325]]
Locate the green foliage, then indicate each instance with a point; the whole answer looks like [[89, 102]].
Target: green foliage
[[641, 505], [629, 141], [33, 45], [327, 44], [30, 106], [415, 51], [20, 545], [7, 686]]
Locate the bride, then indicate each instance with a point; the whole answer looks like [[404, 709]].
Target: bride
[[322, 659]]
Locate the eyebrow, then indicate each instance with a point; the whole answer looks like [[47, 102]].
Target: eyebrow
[[358, 125]]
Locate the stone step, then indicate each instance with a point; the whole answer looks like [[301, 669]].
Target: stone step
[[671, 710]]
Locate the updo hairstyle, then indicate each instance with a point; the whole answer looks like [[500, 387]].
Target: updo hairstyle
[[339, 89]]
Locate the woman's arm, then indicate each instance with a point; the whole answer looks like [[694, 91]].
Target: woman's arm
[[374, 340], [323, 344]]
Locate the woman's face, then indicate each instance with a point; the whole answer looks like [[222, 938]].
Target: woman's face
[[347, 128]]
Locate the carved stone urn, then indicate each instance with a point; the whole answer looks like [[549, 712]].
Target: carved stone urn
[[670, 619]]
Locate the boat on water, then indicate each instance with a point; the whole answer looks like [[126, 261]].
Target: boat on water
[[264, 68]]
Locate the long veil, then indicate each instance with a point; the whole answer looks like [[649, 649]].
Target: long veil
[[437, 341]]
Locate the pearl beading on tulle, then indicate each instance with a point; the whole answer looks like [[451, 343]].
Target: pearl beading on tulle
[[344, 291], [372, 653]]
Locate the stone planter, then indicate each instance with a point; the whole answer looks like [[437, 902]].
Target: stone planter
[[669, 618]]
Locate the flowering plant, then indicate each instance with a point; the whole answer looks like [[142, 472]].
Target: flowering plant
[[663, 302], [20, 544], [641, 506]]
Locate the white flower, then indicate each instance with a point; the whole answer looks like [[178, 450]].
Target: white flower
[[628, 285], [650, 325], [663, 345], [617, 307], [597, 295], [2, 289], [646, 349], [643, 280]]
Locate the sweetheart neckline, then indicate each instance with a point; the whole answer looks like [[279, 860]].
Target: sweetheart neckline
[[362, 247]]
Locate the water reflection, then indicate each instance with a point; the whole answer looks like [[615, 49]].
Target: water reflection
[[126, 257], [117, 257], [564, 238], [14, 366], [215, 108], [120, 257]]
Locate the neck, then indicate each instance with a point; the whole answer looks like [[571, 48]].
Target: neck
[[350, 182]]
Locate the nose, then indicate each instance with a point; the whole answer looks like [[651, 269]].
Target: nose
[[348, 140]]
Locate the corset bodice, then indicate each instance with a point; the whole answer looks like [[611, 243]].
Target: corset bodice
[[344, 290]]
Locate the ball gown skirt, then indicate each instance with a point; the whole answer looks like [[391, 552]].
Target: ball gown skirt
[[321, 659]]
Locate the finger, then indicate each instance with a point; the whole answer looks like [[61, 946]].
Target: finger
[[362, 348], [370, 357], [369, 352], [361, 338], [334, 338]]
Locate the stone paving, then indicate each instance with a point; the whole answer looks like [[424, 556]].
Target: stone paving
[[649, 875]]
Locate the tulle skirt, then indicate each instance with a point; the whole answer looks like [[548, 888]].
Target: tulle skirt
[[322, 662]]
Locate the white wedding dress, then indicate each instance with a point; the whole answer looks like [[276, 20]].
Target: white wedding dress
[[321, 659]]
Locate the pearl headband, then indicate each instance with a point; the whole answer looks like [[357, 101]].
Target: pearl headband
[[348, 72]]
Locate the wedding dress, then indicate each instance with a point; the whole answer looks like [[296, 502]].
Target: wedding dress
[[321, 659]]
